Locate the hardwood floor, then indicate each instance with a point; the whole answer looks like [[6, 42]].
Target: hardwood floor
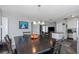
[[69, 47]]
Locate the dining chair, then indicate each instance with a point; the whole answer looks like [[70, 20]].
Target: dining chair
[[49, 50], [57, 48], [8, 43]]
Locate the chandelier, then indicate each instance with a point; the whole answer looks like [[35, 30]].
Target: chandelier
[[39, 22]]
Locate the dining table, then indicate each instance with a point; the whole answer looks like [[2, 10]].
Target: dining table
[[33, 46]]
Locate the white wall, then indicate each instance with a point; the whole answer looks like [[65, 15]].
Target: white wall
[[72, 23], [0, 19], [36, 28], [14, 27], [0, 22], [61, 28], [51, 24]]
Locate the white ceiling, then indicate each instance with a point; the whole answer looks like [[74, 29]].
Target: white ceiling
[[45, 12]]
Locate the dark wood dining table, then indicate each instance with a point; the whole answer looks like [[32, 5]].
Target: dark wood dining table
[[29, 46]]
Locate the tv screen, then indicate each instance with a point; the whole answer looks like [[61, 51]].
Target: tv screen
[[51, 29], [69, 30], [23, 25]]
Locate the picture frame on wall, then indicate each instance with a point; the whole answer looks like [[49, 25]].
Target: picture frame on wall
[[23, 25]]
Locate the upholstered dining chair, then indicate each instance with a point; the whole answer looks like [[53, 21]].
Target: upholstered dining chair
[[8, 43]]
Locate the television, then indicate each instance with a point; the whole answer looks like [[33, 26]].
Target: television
[[23, 25], [51, 29], [69, 31]]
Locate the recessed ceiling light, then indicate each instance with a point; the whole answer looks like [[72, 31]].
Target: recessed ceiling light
[[43, 23], [72, 16], [34, 22], [39, 22]]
